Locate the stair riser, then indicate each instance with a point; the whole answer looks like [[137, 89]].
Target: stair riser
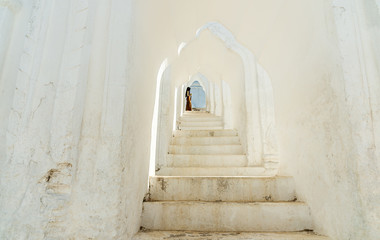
[[206, 160], [215, 171], [207, 150], [187, 235], [205, 140], [201, 124], [197, 114], [201, 128], [205, 133], [200, 119], [234, 189], [203, 216]]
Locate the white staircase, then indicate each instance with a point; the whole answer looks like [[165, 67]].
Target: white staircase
[[203, 148], [208, 192]]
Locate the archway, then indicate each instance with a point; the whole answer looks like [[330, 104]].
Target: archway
[[259, 127], [200, 88], [257, 130], [198, 99]]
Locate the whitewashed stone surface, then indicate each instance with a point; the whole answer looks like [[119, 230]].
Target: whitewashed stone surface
[[78, 83]]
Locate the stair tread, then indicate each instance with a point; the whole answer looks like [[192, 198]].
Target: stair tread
[[205, 132], [224, 177], [266, 204], [193, 119], [188, 235], [220, 130], [213, 155], [199, 120], [229, 137], [201, 128], [258, 167], [206, 145], [215, 171]]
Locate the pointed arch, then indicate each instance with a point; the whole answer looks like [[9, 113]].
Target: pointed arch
[[259, 131], [258, 126]]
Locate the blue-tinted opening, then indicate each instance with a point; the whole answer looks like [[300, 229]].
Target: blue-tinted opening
[[198, 99]]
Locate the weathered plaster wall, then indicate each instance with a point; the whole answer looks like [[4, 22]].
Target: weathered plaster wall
[[10, 51], [71, 148], [361, 72], [78, 84], [28, 79]]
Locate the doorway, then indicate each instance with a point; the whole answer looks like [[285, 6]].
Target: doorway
[[198, 97]]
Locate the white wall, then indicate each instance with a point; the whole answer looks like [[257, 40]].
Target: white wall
[[360, 69], [28, 82], [72, 161], [78, 94]]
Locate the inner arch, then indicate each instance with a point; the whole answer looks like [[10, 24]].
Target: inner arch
[[198, 99]]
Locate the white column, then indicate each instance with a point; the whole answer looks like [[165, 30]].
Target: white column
[[226, 98], [212, 98], [178, 106], [218, 101], [183, 102]]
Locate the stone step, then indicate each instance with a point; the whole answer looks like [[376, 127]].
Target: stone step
[[181, 160], [206, 140], [205, 133], [226, 189], [197, 114], [200, 119], [200, 124], [226, 216], [206, 149], [215, 171], [201, 128], [190, 235]]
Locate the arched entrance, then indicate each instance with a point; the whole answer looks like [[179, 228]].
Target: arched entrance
[[249, 109], [198, 99]]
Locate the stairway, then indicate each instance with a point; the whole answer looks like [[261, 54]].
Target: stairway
[[203, 148], [208, 192]]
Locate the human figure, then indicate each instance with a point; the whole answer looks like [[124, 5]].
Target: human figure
[[188, 99]]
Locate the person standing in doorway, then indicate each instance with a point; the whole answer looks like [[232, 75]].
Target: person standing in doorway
[[188, 99]]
